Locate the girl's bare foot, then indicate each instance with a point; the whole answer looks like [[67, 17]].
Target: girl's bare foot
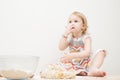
[[97, 73], [82, 73]]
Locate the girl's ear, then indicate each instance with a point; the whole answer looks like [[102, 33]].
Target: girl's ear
[[84, 28]]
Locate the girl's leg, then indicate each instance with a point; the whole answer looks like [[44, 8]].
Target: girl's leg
[[96, 64]]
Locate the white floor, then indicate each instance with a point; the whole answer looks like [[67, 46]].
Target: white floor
[[116, 77], [109, 77]]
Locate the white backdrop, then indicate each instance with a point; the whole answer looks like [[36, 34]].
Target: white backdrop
[[34, 27]]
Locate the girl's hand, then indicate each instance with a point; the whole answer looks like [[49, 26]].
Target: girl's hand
[[66, 58], [67, 31]]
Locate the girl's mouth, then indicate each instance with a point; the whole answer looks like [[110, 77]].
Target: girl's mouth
[[73, 28]]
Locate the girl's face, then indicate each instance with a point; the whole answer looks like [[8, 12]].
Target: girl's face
[[75, 23]]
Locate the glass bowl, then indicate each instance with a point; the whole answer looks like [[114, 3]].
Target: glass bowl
[[18, 66]]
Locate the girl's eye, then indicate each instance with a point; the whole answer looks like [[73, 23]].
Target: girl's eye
[[75, 21], [70, 21]]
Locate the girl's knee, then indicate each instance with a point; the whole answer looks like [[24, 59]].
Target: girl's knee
[[103, 52]]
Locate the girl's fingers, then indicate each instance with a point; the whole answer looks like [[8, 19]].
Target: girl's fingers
[[68, 30], [63, 60], [65, 53]]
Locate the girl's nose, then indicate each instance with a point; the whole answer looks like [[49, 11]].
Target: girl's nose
[[72, 24]]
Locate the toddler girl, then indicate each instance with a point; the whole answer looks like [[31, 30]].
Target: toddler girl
[[79, 42]]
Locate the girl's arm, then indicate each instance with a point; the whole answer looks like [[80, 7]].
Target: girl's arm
[[63, 44], [87, 49], [83, 54]]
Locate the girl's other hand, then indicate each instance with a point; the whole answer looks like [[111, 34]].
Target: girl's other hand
[[67, 58]]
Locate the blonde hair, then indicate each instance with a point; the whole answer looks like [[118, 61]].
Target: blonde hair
[[84, 20]]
